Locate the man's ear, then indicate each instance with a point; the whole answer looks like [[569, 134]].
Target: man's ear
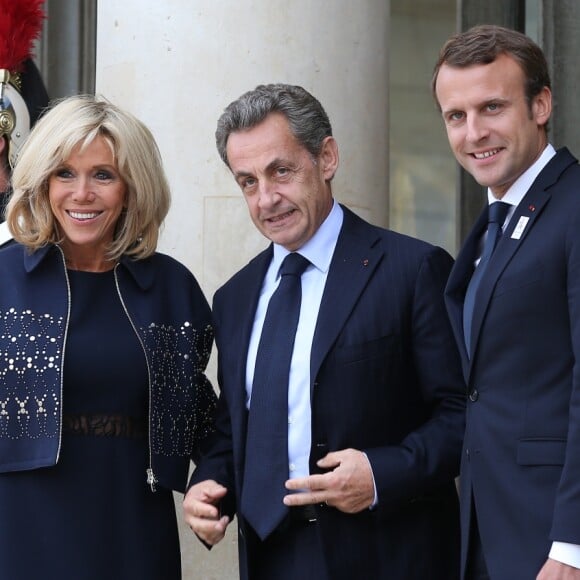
[[328, 157], [542, 106]]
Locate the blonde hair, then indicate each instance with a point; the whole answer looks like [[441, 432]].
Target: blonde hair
[[78, 121]]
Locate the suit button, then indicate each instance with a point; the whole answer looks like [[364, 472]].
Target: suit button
[[473, 395]]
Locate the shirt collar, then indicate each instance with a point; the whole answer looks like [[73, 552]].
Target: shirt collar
[[522, 184], [320, 247]]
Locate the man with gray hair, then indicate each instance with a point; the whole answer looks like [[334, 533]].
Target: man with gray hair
[[341, 411]]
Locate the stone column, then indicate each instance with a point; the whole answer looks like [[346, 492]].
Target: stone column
[[177, 64], [560, 38], [66, 51]]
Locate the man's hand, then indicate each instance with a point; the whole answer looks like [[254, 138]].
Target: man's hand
[[554, 570], [348, 486], [201, 511]]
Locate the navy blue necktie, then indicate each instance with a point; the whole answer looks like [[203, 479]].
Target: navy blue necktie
[[497, 212], [266, 465]]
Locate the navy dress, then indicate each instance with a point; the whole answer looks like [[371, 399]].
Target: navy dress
[[93, 516]]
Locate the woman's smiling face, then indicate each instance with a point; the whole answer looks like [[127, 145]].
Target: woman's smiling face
[[87, 196]]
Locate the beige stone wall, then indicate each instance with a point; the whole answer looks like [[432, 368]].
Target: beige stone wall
[[221, 563], [177, 64]]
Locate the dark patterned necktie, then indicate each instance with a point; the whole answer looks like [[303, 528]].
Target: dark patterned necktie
[[266, 465], [497, 213]]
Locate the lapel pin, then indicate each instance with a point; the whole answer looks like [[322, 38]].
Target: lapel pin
[[520, 227], [532, 207], [365, 262]]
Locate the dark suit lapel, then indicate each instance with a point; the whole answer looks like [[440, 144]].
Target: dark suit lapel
[[459, 279], [241, 303], [356, 256], [526, 215]]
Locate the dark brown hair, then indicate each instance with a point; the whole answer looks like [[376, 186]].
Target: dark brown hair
[[483, 44]]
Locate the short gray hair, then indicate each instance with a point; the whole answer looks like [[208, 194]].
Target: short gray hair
[[307, 118]]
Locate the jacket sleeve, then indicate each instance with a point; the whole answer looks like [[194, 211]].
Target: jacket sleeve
[[216, 460], [429, 455], [567, 505]]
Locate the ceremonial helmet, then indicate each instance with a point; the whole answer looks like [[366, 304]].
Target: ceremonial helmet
[[23, 96]]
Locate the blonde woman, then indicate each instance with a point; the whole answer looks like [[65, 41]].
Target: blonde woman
[[103, 347]]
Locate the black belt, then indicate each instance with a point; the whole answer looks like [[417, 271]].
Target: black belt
[[298, 515], [303, 513], [103, 425]]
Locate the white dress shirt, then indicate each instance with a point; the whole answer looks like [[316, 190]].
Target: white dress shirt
[[522, 184], [516, 192]]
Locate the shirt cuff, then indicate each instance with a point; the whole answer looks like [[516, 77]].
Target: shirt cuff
[[376, 498], [566, 553]]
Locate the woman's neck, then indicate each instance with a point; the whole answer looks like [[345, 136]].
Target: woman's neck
[[89, 265]]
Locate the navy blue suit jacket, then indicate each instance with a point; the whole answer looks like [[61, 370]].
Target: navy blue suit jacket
[[386, 379], [521, 462]]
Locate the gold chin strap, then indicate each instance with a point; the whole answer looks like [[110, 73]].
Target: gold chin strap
[[7, 120]]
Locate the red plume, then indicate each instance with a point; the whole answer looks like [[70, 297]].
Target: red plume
[[20, 24]]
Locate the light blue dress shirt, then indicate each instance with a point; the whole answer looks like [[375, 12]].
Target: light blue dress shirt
[[319, 250]]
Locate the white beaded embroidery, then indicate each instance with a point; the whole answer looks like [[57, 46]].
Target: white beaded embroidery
[[29, 374], [182, 398]]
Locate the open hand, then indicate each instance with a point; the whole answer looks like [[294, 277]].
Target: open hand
[[348, 486]]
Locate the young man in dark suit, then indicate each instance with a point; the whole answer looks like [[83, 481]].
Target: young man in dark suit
[[514, 302], [370, 417]]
